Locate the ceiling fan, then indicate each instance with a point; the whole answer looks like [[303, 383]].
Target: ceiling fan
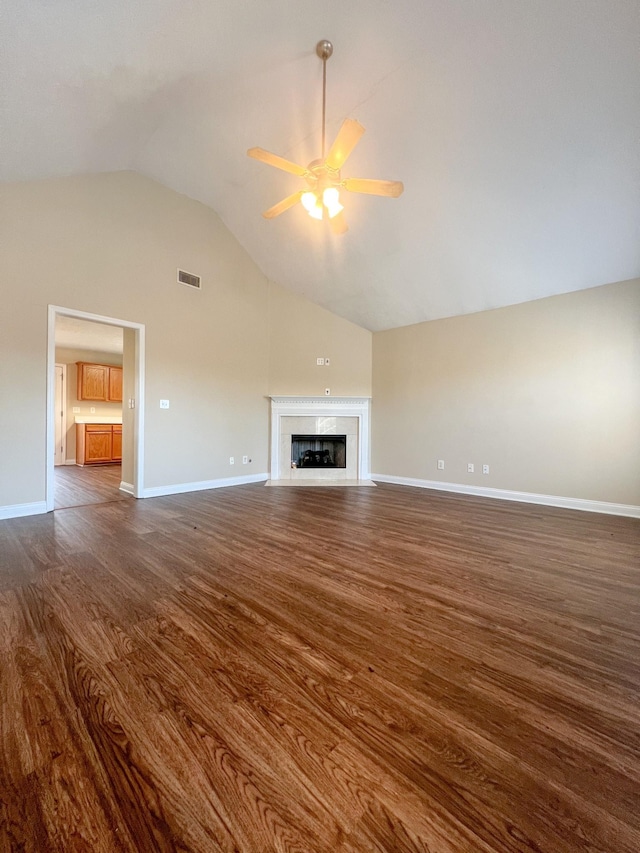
[[322, 176]]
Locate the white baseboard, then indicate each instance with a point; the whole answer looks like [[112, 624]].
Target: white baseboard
[[522, 497], [181, 488], [19, 510], [126, 487], [70, 461]]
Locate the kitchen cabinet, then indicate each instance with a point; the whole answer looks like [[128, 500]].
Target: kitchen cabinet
[[98, 443], [116, 443], [115, 384], [102, 382]]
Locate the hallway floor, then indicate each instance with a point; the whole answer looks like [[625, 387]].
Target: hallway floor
[[96, 484]]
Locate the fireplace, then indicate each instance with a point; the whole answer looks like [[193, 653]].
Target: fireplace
[[318, 451], [320, 438]]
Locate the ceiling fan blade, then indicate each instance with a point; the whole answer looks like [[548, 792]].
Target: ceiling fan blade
[[364, 185], [279, 162], [283, 205], [345, 142], [338, 224]]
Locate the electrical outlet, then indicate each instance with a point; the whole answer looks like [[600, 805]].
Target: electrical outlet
[[470, 468], [164, 404], [485, 469], [232, 461], [327, 391], [245, 459], [92, 410], [319, 361], [440, 464], [326, 362], [76, 410]]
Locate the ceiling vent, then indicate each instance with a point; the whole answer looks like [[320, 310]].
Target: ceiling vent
[[189, 279]]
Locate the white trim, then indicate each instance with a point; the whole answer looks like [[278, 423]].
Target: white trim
[[344, 407], [138, 417], [69, 461], [223, 482], [19, 510], [63, 367], [523, 497], [126, 487]]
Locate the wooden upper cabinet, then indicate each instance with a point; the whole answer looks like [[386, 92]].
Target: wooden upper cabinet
[[115, 384], [93, 381], [101, 382]]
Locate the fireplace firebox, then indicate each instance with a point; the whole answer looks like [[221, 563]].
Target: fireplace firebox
[[318, 451]]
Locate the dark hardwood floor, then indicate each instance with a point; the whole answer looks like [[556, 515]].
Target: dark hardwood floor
[[253, 669], [91, 484]]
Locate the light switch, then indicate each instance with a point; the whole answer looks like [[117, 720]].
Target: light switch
[[164, 404]]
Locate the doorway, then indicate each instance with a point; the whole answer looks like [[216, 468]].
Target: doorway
[[68, 484]]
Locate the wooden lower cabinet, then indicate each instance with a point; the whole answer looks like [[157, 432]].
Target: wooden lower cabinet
[[98, 443], [116, 445]]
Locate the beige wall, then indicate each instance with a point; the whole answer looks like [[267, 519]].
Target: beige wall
[[546, 393], [70, 357], [299, 334], [110, 244]]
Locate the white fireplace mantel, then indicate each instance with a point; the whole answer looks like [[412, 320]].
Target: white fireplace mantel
[[343, 407]]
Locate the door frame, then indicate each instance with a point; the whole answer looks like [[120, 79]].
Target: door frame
[[55, 311], [63, 437]]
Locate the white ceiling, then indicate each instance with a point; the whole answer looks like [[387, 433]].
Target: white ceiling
[[514, 124], [73, 333]]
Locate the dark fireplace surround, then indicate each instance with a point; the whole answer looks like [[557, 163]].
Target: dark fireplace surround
[[318, 451]]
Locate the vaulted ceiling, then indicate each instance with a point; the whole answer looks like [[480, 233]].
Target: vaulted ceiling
[[514, 125]]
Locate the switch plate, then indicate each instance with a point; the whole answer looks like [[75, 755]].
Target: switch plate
[[76, 410], [440, 464], [92, 410], [232, 461], [470, 468], [326, 362], [485, 469], [132, 403], [164, 404], [245, 459], [319, 361]]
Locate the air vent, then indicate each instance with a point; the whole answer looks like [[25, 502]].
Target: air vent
[[189, 279]]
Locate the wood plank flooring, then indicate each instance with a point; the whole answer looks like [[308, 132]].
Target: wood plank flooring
[[92, 484], [320, 670]]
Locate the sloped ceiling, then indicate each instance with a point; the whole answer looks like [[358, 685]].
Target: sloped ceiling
[[514, 125]]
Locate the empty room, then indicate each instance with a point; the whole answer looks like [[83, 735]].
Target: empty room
[[320, 427]]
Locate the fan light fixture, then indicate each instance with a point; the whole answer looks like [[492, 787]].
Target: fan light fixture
[[323, 176], [315, 206]]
